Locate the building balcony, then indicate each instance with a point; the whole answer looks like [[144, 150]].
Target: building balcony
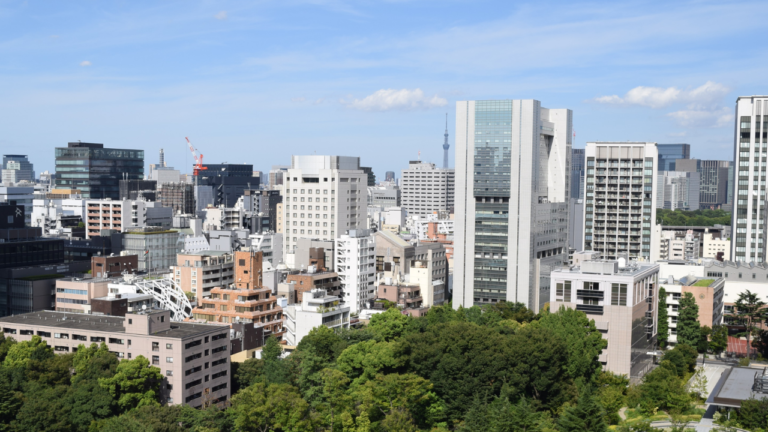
[[590, 309], [580, 293]]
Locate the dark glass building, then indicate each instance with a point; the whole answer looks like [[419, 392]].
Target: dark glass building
[[96, 171], [669, 153], [229, 182], [577, 173]]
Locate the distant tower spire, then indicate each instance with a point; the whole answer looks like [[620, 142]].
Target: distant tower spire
[[162, 158], [446, 146]]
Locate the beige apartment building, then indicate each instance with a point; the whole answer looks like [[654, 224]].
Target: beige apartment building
[[622, 298], [74, 295], [194, 358], [200, 272]]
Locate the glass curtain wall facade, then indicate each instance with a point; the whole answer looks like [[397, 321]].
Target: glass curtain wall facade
[[669, 153], [751, 153], [96, 171], [491, 191]]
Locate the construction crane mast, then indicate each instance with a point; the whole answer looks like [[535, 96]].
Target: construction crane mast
[[198, 159]]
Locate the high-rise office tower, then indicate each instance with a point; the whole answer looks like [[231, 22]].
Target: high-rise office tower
[[577, 173], [669, 153], [620, 199], [96, 171], [512, 188], [716, 178], [446, 146], [678, 190], [426, 188], [229, 182], [276, 175], [389, 176], [17, 168], [323, 198], [750, 153]]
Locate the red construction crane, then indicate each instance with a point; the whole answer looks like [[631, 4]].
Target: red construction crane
[[198, 159]]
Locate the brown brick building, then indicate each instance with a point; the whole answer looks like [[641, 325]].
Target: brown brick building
[[246, 301], [113, 266], [308, 280]]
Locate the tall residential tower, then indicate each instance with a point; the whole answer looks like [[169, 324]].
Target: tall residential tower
[[512, 188], [750, 153]]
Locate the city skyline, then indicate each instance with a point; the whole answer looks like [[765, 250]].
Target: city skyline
[[234, 79]]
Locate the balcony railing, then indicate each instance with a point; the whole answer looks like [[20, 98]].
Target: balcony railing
[[590, 309], [580, 293]]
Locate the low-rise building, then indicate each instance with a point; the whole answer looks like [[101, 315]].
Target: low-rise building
[[623, 302], [113, 266], [156, 247], [74, 295], [311, 279], [316, 309], [120, 215], [708, 293], [194, 358], [119, 304]]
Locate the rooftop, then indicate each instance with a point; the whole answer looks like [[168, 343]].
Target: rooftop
[[734, 386], [632, 268], [103, 323]]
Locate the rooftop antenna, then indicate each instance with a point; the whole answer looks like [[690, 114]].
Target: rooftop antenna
[[446, 146]]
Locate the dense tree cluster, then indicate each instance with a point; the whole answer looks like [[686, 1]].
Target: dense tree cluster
[[496, 368], [692, 218]]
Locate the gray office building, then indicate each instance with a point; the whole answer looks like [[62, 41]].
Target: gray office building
[[512, 189], [96, 171], [716, 181]]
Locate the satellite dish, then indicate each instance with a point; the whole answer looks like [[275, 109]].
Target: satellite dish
[[143, 307]]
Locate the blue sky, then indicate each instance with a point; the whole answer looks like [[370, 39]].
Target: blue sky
[[258, 81]]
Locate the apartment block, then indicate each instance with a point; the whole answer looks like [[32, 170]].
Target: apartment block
[[194, 358], [317, 309], [270, 244], [200, 272], [677, 190], [179, 196], [386, 196], [323, 197], [305, 281], [223, 218], [622, 298], [355, 263], [245, 301], [751, 153], [119, 215], [425, 188], [512, 189], [709, 295], [620, 199]]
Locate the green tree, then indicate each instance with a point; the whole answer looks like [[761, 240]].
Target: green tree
[[387, 394], [502, 416], [586, 416], [276, 370], [688, 331], [20, 354], [389, 325], [583, 341], [247, 373], [43, 410], [719, 340], [749, 309], [10, 402], [699, 384], [335, 400], [754, 414], [362, 362], [662, 333], [135, 384], [273, 407], [703, 345], [325, 342], [611, 392], [513, 311], [5, 346], [663, 389]]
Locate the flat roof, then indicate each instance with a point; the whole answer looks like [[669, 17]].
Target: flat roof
[[734, 386], [102, 323], [128, 296], [208, 253]]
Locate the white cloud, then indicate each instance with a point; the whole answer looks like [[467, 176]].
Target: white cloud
[[221, 15], [707, 95], [391, 99], [85, 63], [703, 118]]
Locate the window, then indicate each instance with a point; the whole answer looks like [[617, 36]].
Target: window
[[44, 334], [189, 372], [219, 374], [169, 373], [168, 346], [218, 362], [192, 357], [57, 335], [116, 341], [97, 339], [618, 294], [219, 349], [193, 344], [219, 336], [169, 359], [197, 395], [155, 346]]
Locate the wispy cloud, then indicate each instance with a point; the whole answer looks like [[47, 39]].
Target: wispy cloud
[[391, 99], [221, 15], [657, 97], [703, 118], [85, 63], [298, 99]]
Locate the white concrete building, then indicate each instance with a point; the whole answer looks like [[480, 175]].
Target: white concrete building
[[323, 197], [384, 195], [316, 309], [426, 188], [623, 301], [223, 218], [512, 188], [714, 244], [46, 212], [355, 263], [420, 225], [751, 155], [620, 199], [678, 190], [271, 246]]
